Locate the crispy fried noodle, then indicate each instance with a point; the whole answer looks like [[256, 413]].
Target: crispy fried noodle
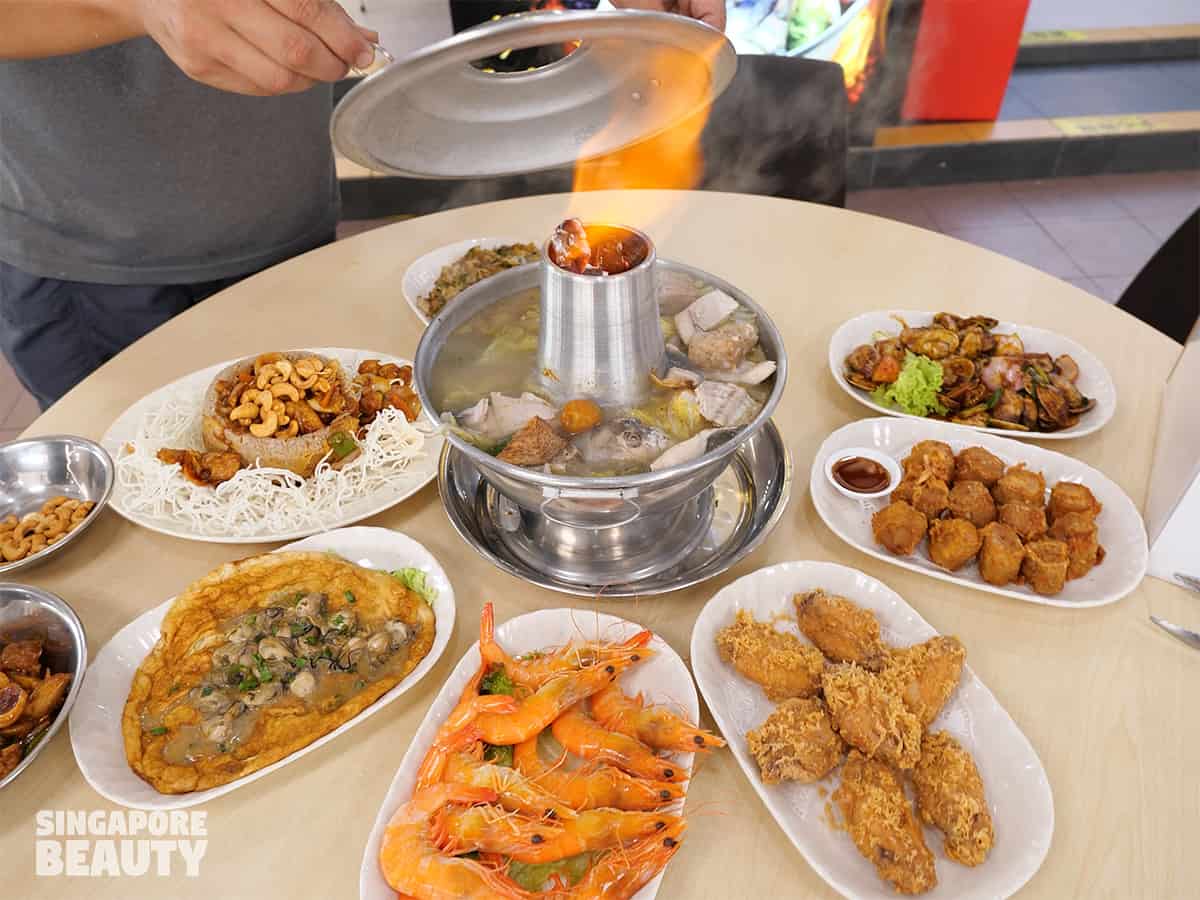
[[258, 501]]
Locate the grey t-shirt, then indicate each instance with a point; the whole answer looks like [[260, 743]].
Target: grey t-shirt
[[117, 168]]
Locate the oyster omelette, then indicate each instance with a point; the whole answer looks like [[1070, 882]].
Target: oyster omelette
[[263, 656]]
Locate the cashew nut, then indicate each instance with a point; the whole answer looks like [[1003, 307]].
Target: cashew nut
[[245, 411], [37, 543], [293, 429], [12, 552], [283, 389], [267, 427], [10, 521], [266, 359], [54, 503], [266, 375]]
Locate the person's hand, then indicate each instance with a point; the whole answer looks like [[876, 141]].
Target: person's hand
[[260, 47], [711, 12]]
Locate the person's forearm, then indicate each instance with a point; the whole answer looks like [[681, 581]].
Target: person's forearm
[[30, 29]]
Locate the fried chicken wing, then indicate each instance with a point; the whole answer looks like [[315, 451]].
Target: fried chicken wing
[[1000, 554], [950, 797], [1079, 532], [953, 543], [924, 675], [972, 501], [1019, 484], [977, 464], [1028, 520], [880, 821], [871, 717], [1045, 566], [934, 457], [840, 629], [782, 664], [796, 742], [899, 527], [22, 657], [1066, 497]]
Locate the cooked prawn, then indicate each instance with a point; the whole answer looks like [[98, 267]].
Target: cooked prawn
[[412, 865], [514, 790], [621, 873], [598, 786], [536, 670], [546, 704], [655, 726], [457, 732], [493, 830], [584, 736]]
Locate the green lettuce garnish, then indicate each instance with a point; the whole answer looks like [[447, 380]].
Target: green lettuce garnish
[[498, 754], [534, 876], [915, 390], [496, 681], [417, 582]]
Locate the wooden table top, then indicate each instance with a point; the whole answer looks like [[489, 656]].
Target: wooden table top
[[1102, 695]]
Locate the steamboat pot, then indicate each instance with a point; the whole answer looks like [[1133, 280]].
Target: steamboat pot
[[597, 527]]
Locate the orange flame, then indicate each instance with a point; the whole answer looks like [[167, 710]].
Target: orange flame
[[671, 160], [861, 45]]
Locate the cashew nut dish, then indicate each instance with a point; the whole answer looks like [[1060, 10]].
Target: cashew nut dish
[[35, 531], [261, 657], [273, 444]]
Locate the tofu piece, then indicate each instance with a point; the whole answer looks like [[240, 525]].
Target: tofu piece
[[712, 309]]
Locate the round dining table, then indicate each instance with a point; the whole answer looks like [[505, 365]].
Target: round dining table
[[1107, 700]]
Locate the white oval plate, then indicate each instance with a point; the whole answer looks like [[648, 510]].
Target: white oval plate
[[1018, 792], [96, 719], [1094, 380], [663, 679], [1122, 533], [422, 471], [420, 277]]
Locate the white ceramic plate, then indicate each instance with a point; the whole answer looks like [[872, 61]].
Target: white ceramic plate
[[96, 719], [662, 679], [1122, 533], [420, 277], [1094, 380], [1018, 793], [422, 470]]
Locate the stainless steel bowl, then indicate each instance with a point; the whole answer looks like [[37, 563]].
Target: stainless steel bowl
[[28, 612], [35, 469], [581, 501]]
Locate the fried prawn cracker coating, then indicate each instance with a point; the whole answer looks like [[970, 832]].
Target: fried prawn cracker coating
[[934, 457], [971, 500], [953, 543], [796, 742], [871, 717], [1045, 566], [1028, 520], [782, 664], [1000, 554], [899, 528], [1079, 532], [924, 675], [840, 629], [950, 797], [978, 464], [1066, 497], [1019, 484], [880, 821]]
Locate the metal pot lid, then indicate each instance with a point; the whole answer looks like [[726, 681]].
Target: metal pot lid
[[433, 114]]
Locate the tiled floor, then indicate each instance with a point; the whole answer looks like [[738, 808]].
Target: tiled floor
[[1096, 233]]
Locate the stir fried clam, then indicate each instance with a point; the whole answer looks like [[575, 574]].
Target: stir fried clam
[[987, 379]]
